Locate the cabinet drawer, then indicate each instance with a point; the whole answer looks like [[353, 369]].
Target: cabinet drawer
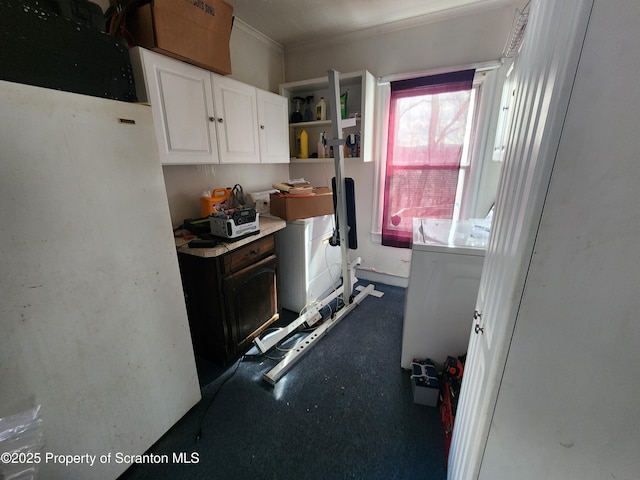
[[244, 256]]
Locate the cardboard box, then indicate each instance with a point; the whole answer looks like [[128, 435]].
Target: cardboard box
[[297, 207], [194, 31]]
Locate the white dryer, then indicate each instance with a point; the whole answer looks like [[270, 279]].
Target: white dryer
[[446, 264], [309, 267]]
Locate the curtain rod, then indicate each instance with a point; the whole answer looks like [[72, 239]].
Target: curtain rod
[[479, 67]]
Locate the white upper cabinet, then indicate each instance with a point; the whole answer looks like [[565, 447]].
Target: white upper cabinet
[[272, 127], [202, 117], [237, 120], [181, 100]]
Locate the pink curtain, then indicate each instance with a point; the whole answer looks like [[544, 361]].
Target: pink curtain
[[427, 125]]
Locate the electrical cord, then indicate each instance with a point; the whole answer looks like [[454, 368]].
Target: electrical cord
[[204, 415], [277, 359], [326, 260]]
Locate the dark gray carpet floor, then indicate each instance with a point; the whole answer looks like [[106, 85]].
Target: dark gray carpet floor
[[345, 411]]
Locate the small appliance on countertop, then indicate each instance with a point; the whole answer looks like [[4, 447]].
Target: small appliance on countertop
[[234, 223]]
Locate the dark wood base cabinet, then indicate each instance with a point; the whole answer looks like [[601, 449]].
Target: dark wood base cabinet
[[230, 298]]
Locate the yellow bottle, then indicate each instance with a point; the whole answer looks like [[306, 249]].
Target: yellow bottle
[[303, 144]]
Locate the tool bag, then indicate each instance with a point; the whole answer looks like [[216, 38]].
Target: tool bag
[[45, 49], [83, 12], [237, 199]]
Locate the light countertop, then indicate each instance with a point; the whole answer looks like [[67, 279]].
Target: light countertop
[[267, 223]]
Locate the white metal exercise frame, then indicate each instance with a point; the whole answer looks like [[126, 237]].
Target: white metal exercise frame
[[348, 275]]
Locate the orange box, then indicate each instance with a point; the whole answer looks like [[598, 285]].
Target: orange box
[[194, 31], [296, 207]]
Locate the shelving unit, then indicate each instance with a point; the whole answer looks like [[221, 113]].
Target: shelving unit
[[359, 112]]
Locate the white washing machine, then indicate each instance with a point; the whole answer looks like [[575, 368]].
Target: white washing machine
[[446, 264]]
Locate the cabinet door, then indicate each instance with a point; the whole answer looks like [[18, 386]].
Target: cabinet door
[[237, 120], [182, 103], [273, 127], [207, 320], [251, 301]]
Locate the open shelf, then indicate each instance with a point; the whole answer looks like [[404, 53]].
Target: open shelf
[[323, 160], [346, 123], [361, 90]]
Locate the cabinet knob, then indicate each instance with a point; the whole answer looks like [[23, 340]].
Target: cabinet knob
[[478, 329], [212, 119], [261, 127], [220, 120]]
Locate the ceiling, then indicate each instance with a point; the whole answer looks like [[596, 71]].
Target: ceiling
[[292, 22]]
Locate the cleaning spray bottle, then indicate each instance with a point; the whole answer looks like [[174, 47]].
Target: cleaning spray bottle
[[308, 114]]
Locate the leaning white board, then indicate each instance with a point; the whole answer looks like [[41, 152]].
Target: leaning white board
[[93, 320]]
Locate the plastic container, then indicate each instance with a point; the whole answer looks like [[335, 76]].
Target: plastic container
[[303, 144], [321, 110], [322, 146], [343, 104], [210, 200]]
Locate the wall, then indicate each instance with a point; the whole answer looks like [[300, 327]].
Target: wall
[[461, 40], [477, 37], [255, 59]]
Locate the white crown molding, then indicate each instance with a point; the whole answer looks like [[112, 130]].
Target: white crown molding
[[252, 32], [402, 24]]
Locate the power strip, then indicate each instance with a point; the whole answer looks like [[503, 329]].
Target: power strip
[[315, 318]]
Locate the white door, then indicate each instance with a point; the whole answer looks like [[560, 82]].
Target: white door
[[237, 120], [544, 74], [181, 99], [273, 127]]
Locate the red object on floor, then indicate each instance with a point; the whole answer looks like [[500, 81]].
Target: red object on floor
[[446, 414]]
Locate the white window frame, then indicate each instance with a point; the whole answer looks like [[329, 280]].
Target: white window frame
[[486, 85]]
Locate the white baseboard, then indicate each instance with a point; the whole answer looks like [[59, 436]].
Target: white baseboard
[[385, 278]]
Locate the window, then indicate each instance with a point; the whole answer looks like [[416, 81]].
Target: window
[[427, 162]]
